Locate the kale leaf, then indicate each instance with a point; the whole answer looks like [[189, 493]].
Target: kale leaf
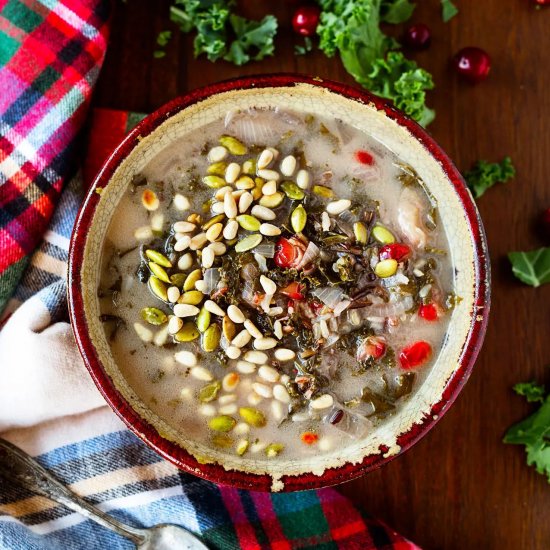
[[448, 10], [396, 11], [532, 391], [533, 267], [484, 175]]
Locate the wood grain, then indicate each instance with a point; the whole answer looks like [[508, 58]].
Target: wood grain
[[460, 487]]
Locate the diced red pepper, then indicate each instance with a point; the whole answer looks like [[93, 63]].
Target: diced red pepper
[[415, 355], [294, 290], [364, 157], [316, 306], [428, 312], [395, 251], [309, 438], [285, 253]]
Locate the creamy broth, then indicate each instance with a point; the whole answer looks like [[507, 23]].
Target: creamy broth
[[365, 285]]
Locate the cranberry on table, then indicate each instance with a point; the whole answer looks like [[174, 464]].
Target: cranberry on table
[[473, 64], [417, 37], [305, 20]]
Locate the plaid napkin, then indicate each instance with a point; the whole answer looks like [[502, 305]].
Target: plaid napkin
[[51, 52]]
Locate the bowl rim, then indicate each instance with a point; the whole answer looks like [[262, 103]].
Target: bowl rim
[[172, 451]]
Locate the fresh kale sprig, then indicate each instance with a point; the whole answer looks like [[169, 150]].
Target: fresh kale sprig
[[484, 175]]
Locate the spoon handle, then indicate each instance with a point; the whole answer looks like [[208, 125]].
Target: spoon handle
[[17, 466]]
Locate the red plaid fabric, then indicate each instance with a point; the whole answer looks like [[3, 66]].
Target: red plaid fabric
[[50, 55]]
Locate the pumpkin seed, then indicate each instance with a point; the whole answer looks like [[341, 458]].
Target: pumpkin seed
[[229, 329], [245, 182], [178, 279], [252, 416], [159, 272], [242, 447], [249, 167], [274, 449], [360, 232], [233, 145], [222, 440], [215, 182], [158, 258], [211, 338], [213, 220], [187, 333], [272, 201], [382, 235], [292, 191], [298, 219], [250, 223], [222, 423], [192, 278], [158, 288], [217, 169], [323, 191], [248, 243], [192, 297], [386, 268], [154, 316], [203, 319], [209, 392]]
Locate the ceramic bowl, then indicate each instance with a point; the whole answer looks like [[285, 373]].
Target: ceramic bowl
[[458, 214]]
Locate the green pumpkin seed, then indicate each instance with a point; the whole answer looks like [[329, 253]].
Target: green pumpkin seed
[[222, 423], [154, 316], [292, 191], [215, 182], [159, 272], [222, 440], [158, 258], [211, 338], [249, 167], [249, 242], [233, 145], [382, 235], [242, 447], [250, 223], [187, 333], [360, 232], [386, 268], [273, 449], [217, 169], [298, 219], [178, 279], [272, 201], [253, 417], [192, 278], [203, 319], [323, 191], [158, 288], [215, 219], [228, 328], [192, 297], [209, 392]]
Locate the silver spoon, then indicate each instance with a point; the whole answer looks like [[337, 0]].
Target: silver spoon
[[17, 466]]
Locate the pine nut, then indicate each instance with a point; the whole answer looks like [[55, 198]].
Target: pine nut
[[182, 243], [323, 402], [278, 329], [181, 202], [263, 213], [245, 200], [157, 222], [275, 311], [216, 154], [241, 339], [303, 179], [277, 410], [228, 409], [262, 389], [281, 394], [269, 374], [235, 314], [269, 174], [144, 333], [233, 352], [218, 208], [218, 248], [186, 358], [220, 193], [174, 324], [185, 261], [232, 172], [257, 357], [229, 398], [265, 158], [230, 230], [288, 165], [254, 399], [269, 230], [245, 367], [230, 206], [185, 310], [200, 373], [268, 285], [184, 227], [214, 231], [269, 188], [173, 294], [198, 241], [264, 343], [337, 207], [284, 355], [325, 221], [143, 233], [285, 378], [200, 285], [207, 409], [253, 329], [208, 257], [230, 381], [241, 428], [214, 308]]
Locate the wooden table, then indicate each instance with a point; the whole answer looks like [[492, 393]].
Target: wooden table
[[460, 487]]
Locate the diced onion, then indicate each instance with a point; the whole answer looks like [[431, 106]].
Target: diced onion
[[211, 278], [386, 310], [329, 295], [261, 261], [312, 251], [267, 250]]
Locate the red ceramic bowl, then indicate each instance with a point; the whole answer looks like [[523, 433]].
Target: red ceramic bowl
[[457, 212]]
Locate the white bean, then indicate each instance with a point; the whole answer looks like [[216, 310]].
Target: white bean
[[200, 373], [185, 310], [263, 213], [264, 343], [269, 374], [269, 230], [235, 314], [185, 357], [257, 357], [281, 394], [337, 207], [284, 354], [262, 389], [214, 308], [230, 206]]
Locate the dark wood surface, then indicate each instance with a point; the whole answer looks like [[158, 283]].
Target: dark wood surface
[[460, 487]]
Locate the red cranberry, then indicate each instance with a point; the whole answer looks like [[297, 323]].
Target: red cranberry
[[428, 312], [417, 37], [473, 64], [395, 251], [305, 20], [542, 2], [415, 355], [364, 157]]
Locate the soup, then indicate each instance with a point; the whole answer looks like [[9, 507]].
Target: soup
[[276, 285]]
